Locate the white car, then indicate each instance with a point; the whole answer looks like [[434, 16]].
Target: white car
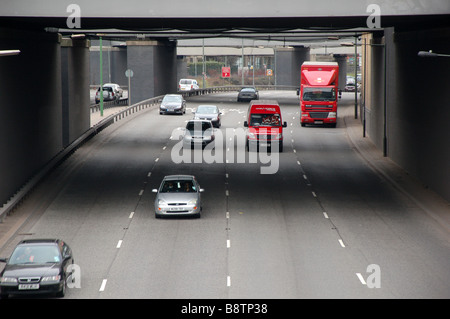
[[187, 85]]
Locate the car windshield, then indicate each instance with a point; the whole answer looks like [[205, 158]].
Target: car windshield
[[172, 98], [248, 90], [319, 94], [265, 120], [204, 109], [178, 186], [197, 126], [35, 254]]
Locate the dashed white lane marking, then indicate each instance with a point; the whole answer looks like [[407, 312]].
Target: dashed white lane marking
[[361, 278], [325, 215], [228, 281], [314, 194], [119, 244], [341, 243], [228, 243], [156, 160], [102, 287], [141, 192], [131, 215], [227, 193]]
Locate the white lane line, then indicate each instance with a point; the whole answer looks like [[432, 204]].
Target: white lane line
[[314, 194], [228, 281], [361, 278], [131, 215], [228, 243], [227, 193], [149, 174], [119, 244], [305, 177], [226, 175], [141, 192], [157, 159], [341, 243], [164, 148], [325, 215], [227, 215], [298, 162], [102, 287]]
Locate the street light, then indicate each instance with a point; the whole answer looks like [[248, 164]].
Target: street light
[[431, 54], [9, 52]]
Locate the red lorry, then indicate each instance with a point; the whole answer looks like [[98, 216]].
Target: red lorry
[[319, 93]]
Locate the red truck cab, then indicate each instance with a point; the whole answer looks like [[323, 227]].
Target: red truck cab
[[319, 93], [265, 126]]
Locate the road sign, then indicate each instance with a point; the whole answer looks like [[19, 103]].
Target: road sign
[[269, 72], [226, 71]]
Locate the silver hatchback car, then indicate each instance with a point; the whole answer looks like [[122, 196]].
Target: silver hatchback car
[[178, 195]]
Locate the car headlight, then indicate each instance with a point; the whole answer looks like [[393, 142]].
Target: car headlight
[[161, 202], [252, 135], [331, 114], [278, 136], [8, 280], [51, 279], [192, 202]]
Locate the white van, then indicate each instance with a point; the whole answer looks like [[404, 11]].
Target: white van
[[187, 85]]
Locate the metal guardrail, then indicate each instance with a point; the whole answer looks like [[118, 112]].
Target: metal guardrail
[[17, 198]]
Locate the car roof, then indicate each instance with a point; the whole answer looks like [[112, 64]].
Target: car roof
[[40, 241], [177, 177]]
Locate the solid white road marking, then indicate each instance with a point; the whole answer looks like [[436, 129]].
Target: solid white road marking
[[361, 278], [102, 287]]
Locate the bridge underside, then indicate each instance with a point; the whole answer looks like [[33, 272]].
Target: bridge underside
[[45, 124]]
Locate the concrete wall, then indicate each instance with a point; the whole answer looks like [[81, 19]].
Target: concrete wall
[[30, 90], [417, 108]]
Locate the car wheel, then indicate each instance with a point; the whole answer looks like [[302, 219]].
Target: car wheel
[[62, 292]]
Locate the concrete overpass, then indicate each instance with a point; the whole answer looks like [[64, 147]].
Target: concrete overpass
[[46, 87]]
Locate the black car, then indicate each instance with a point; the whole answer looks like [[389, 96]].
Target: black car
[[248, 94], [37, 266]]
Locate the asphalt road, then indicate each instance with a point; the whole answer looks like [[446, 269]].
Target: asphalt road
[[321, 224]]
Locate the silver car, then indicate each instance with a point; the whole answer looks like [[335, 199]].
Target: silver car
[[198, 133], [172, 103], [178, 195], [208, 112]]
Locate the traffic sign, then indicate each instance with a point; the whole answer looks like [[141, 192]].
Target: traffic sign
[[226, 71]]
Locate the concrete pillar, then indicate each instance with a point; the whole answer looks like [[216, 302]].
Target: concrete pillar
[[288, 63], [75, 88], [30, 125], [154, 66], [341, 60]]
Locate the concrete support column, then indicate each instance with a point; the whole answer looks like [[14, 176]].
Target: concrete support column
[[30, 125], [288, 63], [154, 66], [75, 88], [341, 60]]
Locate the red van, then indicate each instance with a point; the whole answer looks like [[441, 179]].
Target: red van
[[265, 126]]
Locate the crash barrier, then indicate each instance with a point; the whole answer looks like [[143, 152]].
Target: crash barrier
[[106, 105], [17, 198]]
